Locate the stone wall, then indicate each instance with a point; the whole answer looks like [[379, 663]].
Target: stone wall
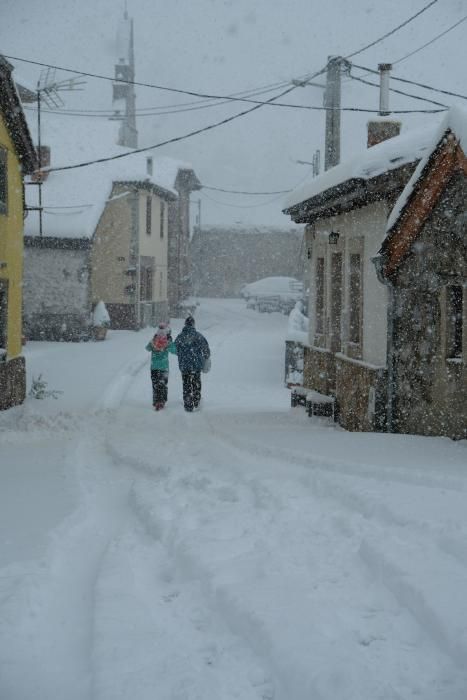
[[360, 395], [12, 382], [430, 388], [319, 370]]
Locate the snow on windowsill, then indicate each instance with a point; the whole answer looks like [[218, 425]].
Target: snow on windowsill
[[360, 363]]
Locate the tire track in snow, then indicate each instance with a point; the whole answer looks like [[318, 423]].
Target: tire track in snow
[[51, 610], [450, 636], [171, 526]]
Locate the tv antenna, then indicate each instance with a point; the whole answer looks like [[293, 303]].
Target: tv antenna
[[48, 90]]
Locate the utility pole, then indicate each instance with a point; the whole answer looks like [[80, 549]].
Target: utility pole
[[332, 102]]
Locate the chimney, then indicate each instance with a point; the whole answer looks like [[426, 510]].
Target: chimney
[[381, 130], [43, 154], [149, 166]]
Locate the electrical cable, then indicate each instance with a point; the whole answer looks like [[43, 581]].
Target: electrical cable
[[413, 82], [393, 31], [184, 136], [400, 92], [428, 43], [220, 189], [139, 83]]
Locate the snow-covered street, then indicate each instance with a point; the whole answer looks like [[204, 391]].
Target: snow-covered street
[[245, 551]]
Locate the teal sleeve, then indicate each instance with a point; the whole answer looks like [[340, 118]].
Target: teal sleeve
[[173, 348], [149, 347]]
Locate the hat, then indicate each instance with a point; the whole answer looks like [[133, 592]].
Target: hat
[[189, 321], [163, 329]]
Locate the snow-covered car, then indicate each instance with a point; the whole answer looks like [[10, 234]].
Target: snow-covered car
[[273, 294]]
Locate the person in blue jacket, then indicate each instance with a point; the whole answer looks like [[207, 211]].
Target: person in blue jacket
[[193, 354], [159, 347]]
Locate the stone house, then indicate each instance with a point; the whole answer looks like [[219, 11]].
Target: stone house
[[17, 159], [106, 234], [345, 211], [423, 263]]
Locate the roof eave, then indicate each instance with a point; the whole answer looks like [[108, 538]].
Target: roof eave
[[15, 120]]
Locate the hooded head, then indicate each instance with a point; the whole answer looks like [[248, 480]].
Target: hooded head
[[190, 322], [163, 329]]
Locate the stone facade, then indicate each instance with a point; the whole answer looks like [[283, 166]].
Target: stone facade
[[430, 386], [225, 259], [12, 382]]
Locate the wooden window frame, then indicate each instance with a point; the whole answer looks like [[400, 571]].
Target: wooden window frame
[[320, 295], [454, 321], [3, 314], [3, 180], [355, 323], [148, 215], [162, 219]]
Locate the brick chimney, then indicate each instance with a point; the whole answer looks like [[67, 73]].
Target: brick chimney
[[44, 160], [382, 129]]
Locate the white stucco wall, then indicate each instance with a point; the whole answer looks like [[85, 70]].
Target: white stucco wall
[[361, 231]]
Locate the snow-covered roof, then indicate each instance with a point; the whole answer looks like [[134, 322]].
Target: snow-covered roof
[[383, 157], [73, 200], [454, 121]]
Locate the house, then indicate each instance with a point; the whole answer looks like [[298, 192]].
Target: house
[[107, 232], [423, 263], [346, 211], [17, 159], [225, 258]]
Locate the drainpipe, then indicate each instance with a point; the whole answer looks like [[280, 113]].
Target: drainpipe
[[378, 262]]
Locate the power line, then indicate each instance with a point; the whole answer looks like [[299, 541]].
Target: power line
[[220, 189], [400, 92], [393, 31], [184, 136], [241, 206], [428, 43], [148, 85], [313, 108], [413, 82]]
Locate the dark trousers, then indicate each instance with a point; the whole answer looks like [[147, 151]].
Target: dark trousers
[[159, 379], [191, 389]]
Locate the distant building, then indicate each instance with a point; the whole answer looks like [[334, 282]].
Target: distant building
[[226, 258], [106, 234], [17, 158]]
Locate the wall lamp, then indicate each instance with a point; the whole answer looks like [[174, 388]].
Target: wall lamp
[[333, 237]]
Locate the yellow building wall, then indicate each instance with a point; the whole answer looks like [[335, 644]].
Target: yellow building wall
[[11, 245]]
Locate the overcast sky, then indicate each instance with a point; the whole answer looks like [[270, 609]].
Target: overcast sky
[[224, 47]]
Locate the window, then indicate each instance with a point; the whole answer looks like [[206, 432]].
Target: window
[[146, 277], [3, 313], [319, 307], [148, 215], [3, 181], [162, 219], [454, 321], [355, 299]]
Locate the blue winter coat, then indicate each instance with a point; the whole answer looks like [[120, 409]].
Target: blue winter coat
[[192, 350]]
